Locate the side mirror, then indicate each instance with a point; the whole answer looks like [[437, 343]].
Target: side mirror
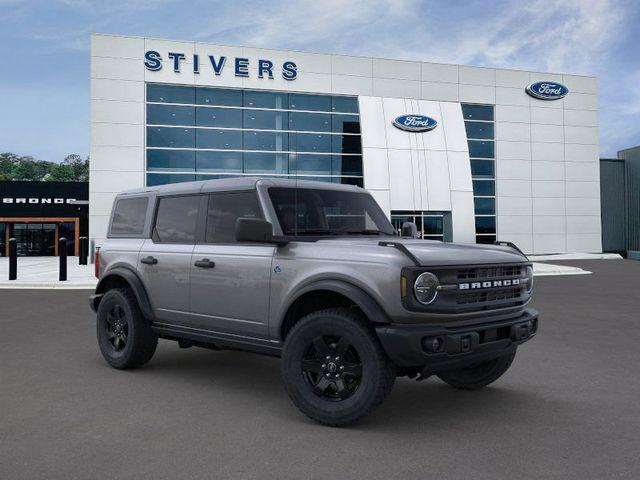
[[256, 230], [409, 229]]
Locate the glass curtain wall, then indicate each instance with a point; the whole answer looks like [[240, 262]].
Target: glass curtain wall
[[480, 127], [200, 133], [430, 224]]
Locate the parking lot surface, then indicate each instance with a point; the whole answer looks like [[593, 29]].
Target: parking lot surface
[[569, 407]]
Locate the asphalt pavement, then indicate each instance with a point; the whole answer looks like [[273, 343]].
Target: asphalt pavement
[[569, 407]]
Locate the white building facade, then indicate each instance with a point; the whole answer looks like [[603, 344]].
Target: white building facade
[[500, 163]]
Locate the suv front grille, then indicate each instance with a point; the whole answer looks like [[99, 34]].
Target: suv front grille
[[489, 296], [490, 272]]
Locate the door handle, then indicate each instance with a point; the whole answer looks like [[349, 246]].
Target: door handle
[[205, 263], [149, 260]]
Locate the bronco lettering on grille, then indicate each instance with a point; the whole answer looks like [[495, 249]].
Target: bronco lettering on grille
[[489, 284]]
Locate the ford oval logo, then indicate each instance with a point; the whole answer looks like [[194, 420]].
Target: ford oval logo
[[415, 123], [547, 90]]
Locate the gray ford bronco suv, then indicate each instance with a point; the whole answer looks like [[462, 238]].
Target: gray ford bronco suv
[[316, 274]]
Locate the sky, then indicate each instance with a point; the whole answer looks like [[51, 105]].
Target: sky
[[44, 77]]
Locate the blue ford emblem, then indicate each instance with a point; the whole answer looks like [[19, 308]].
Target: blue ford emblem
[[547, 90], [415, 123]]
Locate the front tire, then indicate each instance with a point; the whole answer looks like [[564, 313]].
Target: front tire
[[478, 376], [334, 368], [125, 338]]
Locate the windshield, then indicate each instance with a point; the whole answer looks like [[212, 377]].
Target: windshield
[[328, 212]]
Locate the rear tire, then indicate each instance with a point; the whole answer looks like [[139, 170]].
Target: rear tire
[[125, 338], [334, 368], [480, 375]]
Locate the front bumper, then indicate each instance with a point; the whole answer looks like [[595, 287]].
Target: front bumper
[[445, 347]]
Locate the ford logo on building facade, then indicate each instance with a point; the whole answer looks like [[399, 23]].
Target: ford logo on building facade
[[547, 90], [415, 123]]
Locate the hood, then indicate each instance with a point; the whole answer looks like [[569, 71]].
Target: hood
[[434, 253]]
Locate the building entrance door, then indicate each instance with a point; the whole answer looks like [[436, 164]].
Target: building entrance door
[[35, 239]]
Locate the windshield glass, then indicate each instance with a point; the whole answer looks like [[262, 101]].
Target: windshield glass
[[328, 212]]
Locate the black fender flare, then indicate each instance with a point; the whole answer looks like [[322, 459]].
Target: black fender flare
[[369, 306], [134, 282]]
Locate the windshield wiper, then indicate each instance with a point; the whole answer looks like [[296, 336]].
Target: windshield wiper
[[316, 231], [365, 232]]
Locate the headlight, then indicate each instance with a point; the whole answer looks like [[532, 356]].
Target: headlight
[[529, 279], [426, 288]]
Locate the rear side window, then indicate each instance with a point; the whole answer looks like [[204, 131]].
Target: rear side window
[[223, 211], [176, 219], [128, 217]]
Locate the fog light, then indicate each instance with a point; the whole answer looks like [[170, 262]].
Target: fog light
[[433, 344]]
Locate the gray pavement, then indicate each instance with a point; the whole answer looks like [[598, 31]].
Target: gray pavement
[[568, 408]]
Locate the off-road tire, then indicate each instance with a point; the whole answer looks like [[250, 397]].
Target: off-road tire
[[141, 342], [480, 375], [377, 372]]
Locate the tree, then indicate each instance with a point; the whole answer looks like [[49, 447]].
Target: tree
[[61, 173], [16, 167]]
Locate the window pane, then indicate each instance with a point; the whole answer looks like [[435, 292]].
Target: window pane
[[224, 209], [345, 124], [346, 144], [171, 160], [486, 239], [479, 129], [265, 120], [260, 162], [128, 216], [477, 112], [485, 206], [265, 99], [176, 219], [345, 104], [432, 225], [358, 182], [347, 165], [310, 164], [316, 103], [169, 115], [170, 94], [485, 224], [480, 149], [266, 141], [219, 117], [310, 142], [219, 96], [484, 188], [154, 179], [223, 139], [170, 137], [482, 168], [310, 122], [219, 162]]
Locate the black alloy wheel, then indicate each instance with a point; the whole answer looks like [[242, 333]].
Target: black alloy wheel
[[332, 368], [117, 327]]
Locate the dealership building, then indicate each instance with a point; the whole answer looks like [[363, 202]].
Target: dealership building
[[469, 154]]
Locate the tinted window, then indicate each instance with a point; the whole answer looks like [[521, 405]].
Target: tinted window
[[477, 112], [345, 124], [265, 99], [347, 165], [482, 168], [317, 103], [170, 137], [164, 178], [224, 209], [265, 120], [261, 162], [310, 164], [310, 142], [323, 212], [265, 141], [479, 129], [485, 224], [346, 144], [219, 161], [345, 104], [219, 117], [484, 188], [170, 160], [170, 94], [485, 206], [223, 139], [169, 114], [310, 122], [219, 96], [176, 219], [480, 149], [128, 216]]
